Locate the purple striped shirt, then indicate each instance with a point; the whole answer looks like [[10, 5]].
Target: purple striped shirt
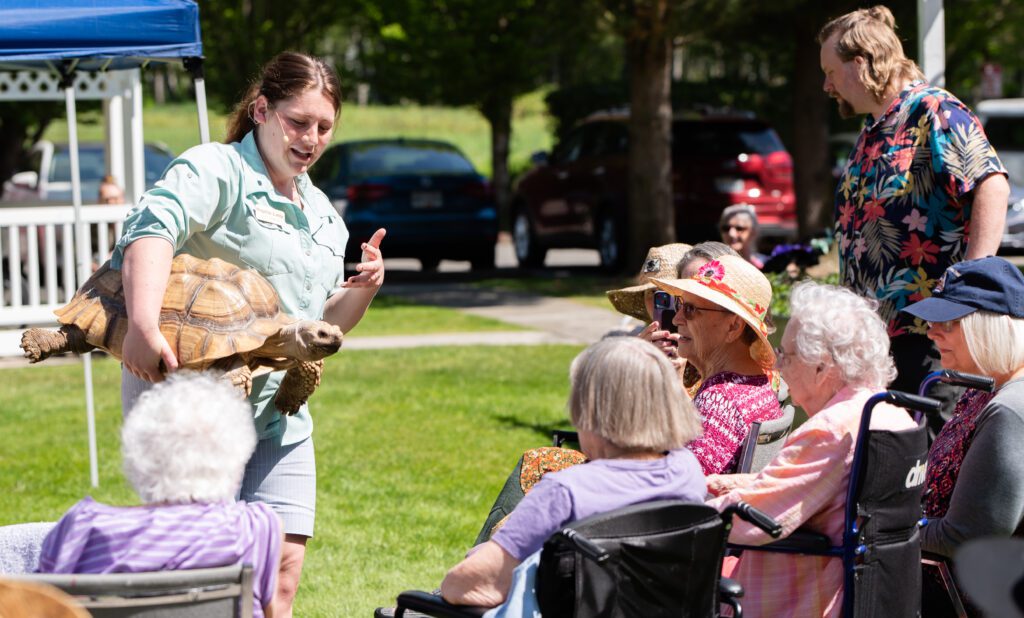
[[98, 538]]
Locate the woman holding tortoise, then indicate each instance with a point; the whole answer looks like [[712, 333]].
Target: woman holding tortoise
[[250, 202]]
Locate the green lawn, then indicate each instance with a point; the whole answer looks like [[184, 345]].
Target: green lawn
[[392, 315], [412, 446], [175, 125], [587, 289]]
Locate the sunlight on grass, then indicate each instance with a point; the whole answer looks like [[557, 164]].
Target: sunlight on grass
[[587, 289], [412, 446], [391, 315], [175, 126]]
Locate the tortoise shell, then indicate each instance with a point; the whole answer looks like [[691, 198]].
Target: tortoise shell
[[211, 310]]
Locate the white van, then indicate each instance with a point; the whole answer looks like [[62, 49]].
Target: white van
[[1003, 120]]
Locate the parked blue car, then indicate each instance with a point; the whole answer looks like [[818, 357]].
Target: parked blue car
[[427, 195]]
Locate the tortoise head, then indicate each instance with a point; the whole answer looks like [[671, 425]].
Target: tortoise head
[[319, 339]]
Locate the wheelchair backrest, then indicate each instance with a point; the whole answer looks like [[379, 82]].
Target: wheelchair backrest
[[888, 502], [665, 559]]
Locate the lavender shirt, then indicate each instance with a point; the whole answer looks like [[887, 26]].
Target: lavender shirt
[[597, 487], [97, 538]]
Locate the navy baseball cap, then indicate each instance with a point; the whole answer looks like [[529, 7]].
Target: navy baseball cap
[[989, 284]]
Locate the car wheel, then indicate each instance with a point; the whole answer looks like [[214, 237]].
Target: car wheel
[[609, 243], [482, 258], [528, 251], [428, 263]]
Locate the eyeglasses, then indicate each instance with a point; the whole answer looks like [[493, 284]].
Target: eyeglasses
[[689, 310], [781, 358], [946, 327], [739, 228]]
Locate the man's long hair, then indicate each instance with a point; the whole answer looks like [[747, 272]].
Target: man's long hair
[[871, 34]]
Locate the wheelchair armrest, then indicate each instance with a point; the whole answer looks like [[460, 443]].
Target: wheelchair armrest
[[561, 436], [729, 588], [803, 541], [751, 515], [434, 605]]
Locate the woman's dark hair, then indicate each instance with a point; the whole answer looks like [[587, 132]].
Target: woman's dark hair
[[286, 75]]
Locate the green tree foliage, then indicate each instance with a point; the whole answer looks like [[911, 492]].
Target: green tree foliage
[[238, 37], [466, 52]]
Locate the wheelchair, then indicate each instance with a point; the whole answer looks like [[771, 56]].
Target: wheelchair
[[650, 560], [881, 549], [941, 563]]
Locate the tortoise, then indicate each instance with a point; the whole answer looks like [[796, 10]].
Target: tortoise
[[215, 315]]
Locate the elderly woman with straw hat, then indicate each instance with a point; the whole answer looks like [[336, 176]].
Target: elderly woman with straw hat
[[722, 314]]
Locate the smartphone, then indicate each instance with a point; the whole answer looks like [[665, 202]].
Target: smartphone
[[664, 310]]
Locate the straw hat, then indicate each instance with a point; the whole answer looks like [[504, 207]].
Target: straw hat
[[660, 262], [737, 285]]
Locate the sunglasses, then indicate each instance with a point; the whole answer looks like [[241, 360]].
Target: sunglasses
[[665, 301], [946, 327], [738, 228]]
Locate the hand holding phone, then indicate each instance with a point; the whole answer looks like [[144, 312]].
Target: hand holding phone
[[664, 310]]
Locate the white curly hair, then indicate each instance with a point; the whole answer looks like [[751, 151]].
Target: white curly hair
[[187, 440], [838, 328]]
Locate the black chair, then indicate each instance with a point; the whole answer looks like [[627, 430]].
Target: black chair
[[881, 546], [941, 563], [657, 559]]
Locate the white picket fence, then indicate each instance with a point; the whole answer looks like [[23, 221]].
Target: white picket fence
[[38, 270]]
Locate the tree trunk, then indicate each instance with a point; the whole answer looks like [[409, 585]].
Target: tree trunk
[[499, 115], [12, 146], [812, 176], [651, 220]]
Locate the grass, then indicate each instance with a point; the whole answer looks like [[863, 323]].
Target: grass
[[392, 315], [586, 289], [175, 125], [412, 446]]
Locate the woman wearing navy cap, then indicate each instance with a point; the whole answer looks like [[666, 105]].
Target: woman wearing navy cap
[[975, 482]]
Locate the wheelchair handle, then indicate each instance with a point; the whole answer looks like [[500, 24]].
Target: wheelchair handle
[[758, 518], [913, 402], [585, 546], [960, 378]]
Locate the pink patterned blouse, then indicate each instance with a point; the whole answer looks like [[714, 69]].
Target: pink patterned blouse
[[728, 403]]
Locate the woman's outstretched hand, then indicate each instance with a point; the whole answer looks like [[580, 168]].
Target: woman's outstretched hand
[[371, 268]]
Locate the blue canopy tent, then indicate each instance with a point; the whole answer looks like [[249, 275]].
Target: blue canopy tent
[[64, 38]]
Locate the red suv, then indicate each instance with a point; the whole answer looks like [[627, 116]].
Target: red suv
[[577, 196]]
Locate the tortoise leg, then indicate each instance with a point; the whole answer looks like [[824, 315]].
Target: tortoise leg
[[298, 384], [41, 343], [241, 378]]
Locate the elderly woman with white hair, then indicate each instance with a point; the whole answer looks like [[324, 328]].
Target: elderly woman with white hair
[[834, 356], [184, 445], [633, 422], [975, 480]]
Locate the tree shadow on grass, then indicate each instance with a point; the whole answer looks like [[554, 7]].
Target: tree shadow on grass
[[542, 430]]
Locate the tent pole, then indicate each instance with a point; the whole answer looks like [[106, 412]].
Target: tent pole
[[195, 67], [82, 260]]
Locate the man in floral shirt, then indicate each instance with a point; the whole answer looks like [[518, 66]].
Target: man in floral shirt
[[923, 187]]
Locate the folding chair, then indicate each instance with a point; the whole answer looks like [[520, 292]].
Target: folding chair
[[764, 441], [881, 542], [221, 592], [941, 563], [651, 560]]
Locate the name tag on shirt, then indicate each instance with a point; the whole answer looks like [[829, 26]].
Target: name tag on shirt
[[269, 215]]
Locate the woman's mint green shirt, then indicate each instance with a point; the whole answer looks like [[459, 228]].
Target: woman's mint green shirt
[[217, 201]]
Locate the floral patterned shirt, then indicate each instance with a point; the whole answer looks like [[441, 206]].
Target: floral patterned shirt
[[728, 403], [903, 204], [947, 452]]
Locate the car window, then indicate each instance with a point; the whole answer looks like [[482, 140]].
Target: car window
[[1006, 132], [326, 169], [611, 139], [569, 149], [90, 163], [383, 159], [155, 163], [723, 138]]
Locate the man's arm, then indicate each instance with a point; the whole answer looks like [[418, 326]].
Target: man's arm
[[988, 216]]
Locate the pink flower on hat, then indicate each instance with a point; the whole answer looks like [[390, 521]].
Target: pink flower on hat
[[712, 270]]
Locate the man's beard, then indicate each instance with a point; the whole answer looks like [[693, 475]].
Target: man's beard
[[845, 109]]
